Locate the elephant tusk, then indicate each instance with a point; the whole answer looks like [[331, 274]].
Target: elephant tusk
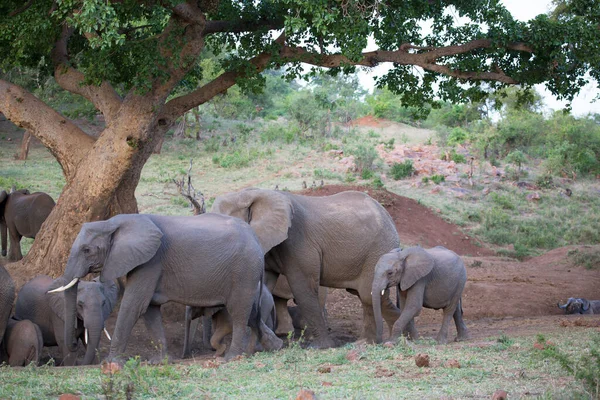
[[63, 288], [382, 292], [107, 335], [85, 336]]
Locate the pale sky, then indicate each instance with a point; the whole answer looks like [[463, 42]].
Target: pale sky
[[522, 10]]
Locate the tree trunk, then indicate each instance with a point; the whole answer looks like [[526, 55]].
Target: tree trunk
[[25, 145], [103, 186]]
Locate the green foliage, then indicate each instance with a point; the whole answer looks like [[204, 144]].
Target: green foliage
[[585, 367], [457, 136], [402, 170], [377, 183], [237, 158], [212, 144], [326, 174], [545, 182], [586, 257], [281, 133], [454, 156], [385, 104], [389, 145], [364, 156]]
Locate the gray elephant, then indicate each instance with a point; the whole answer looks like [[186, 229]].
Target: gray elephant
[[23, 214], [580, 306], [222, 323], [22, 344], [95, 302], [202, 261], [432, 278], [332, 241], [7, 298]]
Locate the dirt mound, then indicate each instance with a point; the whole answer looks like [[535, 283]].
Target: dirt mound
[[416, 224], [369, 120]]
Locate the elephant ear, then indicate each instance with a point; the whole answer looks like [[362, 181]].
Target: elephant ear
[[57, 300], [417, 264], [268, 212], [3, 196], [135, 240]]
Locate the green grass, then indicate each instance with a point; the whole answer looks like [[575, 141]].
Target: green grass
[[507, 363]]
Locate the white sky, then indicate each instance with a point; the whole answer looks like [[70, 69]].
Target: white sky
[[522, 10]]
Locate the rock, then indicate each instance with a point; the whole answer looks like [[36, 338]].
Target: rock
[[452, 364], [389, 345], [305, 394], [324, 370], [435, 189], [535, 196], [352, 355], [382, 372], [422, 360], [500, 395], [110, 368], [485, 191], [68, 396], [326, 384]]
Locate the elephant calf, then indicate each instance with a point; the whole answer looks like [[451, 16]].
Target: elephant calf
[[22, 344], [432, 278], [580, 306], [223, 324]]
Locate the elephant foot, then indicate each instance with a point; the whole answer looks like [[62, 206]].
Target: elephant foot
[[442, 340], [322, 343], [271, 343], [3, 253], [462, 337], [220, 350], [159, 359]]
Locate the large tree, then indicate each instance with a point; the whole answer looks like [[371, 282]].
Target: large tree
[[137, 61]]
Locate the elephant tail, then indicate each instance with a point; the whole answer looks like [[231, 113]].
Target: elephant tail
[[255, 315]]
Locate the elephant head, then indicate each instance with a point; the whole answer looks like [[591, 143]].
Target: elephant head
[[401, 268], [268, 212], [575, 306], [112, 248]]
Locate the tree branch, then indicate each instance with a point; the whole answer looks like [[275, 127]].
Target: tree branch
[[425, 59], [242, 26], [104, 97], [65, 141], [22, 9], [201, 95]]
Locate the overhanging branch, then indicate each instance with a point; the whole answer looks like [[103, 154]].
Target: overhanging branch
[[104, 97]]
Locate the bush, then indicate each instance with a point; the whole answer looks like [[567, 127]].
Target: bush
[[364, 157], [457, 136], [437, 179], [212, 144], [401, 171]]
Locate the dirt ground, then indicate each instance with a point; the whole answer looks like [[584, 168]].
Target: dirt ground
[[501, 296]]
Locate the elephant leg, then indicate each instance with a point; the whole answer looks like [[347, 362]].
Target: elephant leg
[[284, 320], [223, 328], [206, 330], [69, 357], [305, 288], [411, 308], [268, 340], [153, 320], [188, 336], [136, 299], [14, 253], [461, 327], [410, 331]]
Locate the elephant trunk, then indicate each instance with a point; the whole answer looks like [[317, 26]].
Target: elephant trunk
[[3, 235], [565, 305], [94, 324], [71, 318], [377, 290]]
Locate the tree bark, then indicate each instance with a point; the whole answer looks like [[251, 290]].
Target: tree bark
[[25, 146]]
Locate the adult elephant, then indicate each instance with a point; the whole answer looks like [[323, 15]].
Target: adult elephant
[[7, 298], [202, 261], [22, 214], [47, 310], [333, 241]]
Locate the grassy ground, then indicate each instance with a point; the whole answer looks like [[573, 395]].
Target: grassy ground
[[464, 370]]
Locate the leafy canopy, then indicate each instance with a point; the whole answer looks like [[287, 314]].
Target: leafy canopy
[[471, 48]]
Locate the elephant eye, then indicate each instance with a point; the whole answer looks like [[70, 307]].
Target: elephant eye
[[86, 250]]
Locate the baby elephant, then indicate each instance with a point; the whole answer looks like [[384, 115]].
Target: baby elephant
[[581, 306], [22, 343], [431, 278], [223, 325]]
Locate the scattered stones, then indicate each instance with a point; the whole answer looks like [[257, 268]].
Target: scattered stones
[[422, 360], [452, 364], [324, 369], [381, 372], [326, 384], [210, 364], [68, 396], [526, 185], [500, 395], [535, 196], [485, 191], [305, 394], [436, 189]]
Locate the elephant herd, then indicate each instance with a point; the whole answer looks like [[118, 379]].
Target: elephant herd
[[235, 268]]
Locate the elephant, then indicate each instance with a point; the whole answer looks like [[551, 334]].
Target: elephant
[[332, 241], [23, 214], [95, 302], [206, 260], [222, 323], [22, 344], [432, 278], [7, 298], [580, 306]]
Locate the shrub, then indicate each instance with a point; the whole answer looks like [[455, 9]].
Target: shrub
[[364, 157], [377, 183], [457, 136], [212, 144], [437, 179], [389, 145], [367, 174], [404, 170], [518, 159]]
